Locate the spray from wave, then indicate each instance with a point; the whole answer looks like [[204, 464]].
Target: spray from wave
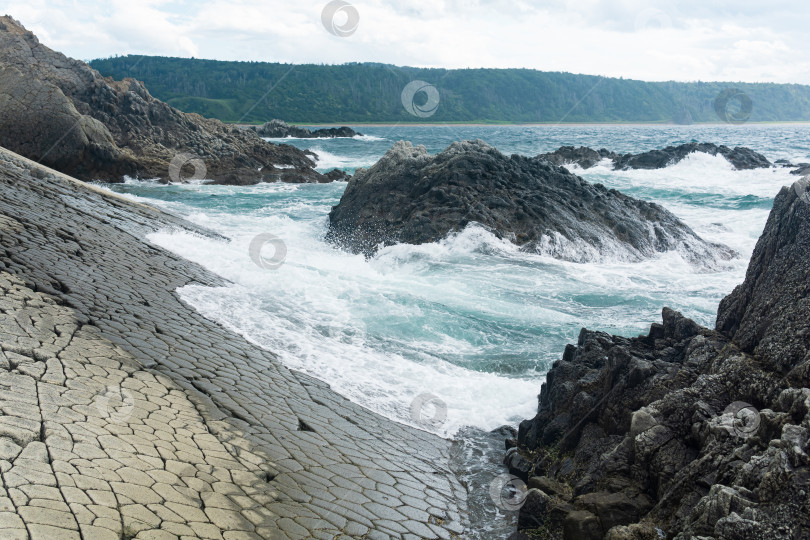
[[328, 160], [313, 317], [471, 319]]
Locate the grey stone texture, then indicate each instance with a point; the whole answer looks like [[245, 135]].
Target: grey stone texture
[[126, 414]]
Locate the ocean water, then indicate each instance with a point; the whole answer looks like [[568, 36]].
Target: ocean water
[[469, 325]]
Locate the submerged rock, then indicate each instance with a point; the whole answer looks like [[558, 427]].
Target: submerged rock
[[412, 197], [740, 157], [62, 113], [279, 129], [699, 432]]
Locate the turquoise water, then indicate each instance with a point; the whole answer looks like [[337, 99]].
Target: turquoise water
[[470, 320]]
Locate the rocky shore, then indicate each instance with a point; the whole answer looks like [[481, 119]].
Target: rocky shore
[[687, 432], [60, 112], [126, 414], [741, 158], [410, 196], [278, 129]]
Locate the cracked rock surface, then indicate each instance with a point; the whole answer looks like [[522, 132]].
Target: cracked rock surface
[[126, 414]]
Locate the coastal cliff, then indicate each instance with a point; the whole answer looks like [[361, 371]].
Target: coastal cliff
[[686, 432], [62, 113]]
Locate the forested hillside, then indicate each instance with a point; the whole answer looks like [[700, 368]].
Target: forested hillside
[[256, 92]]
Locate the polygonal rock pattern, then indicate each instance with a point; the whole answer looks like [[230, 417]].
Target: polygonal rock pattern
[[125, 414]]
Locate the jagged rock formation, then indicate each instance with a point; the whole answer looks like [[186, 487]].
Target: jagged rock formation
[[338, 175], [60, 112], [279, 129], [410, 196], [583, 156], [740, 157], [688, 431]]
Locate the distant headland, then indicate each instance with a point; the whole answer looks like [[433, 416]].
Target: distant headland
[[256, 92]]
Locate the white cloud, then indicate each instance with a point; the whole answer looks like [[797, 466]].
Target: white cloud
[[689, 40]]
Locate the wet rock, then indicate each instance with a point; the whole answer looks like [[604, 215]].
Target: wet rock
[[583, 156], [637, 531], [677, 326], [337, 175], [125, 413], [412, 197], [740, 157], [801, 169], [613, 509], [552, 487], [302, 175], [543, 512], [278, 129], [517, 464], [242, 176]]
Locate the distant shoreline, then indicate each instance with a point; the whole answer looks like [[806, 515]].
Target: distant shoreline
[[529, 124]]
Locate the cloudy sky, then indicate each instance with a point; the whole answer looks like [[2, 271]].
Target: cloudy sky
[[727, 40]]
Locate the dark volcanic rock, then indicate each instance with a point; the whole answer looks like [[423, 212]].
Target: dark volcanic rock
[[337, 175], [62, 113], [691, 431], [801, 169], [412, 197], [739, 157], [768, 315], [291, 175], [583, 156], [278, 129]]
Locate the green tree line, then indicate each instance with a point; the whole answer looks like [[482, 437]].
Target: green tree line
[[366, 92]]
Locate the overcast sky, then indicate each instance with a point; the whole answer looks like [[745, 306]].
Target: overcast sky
[[726, 40]]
